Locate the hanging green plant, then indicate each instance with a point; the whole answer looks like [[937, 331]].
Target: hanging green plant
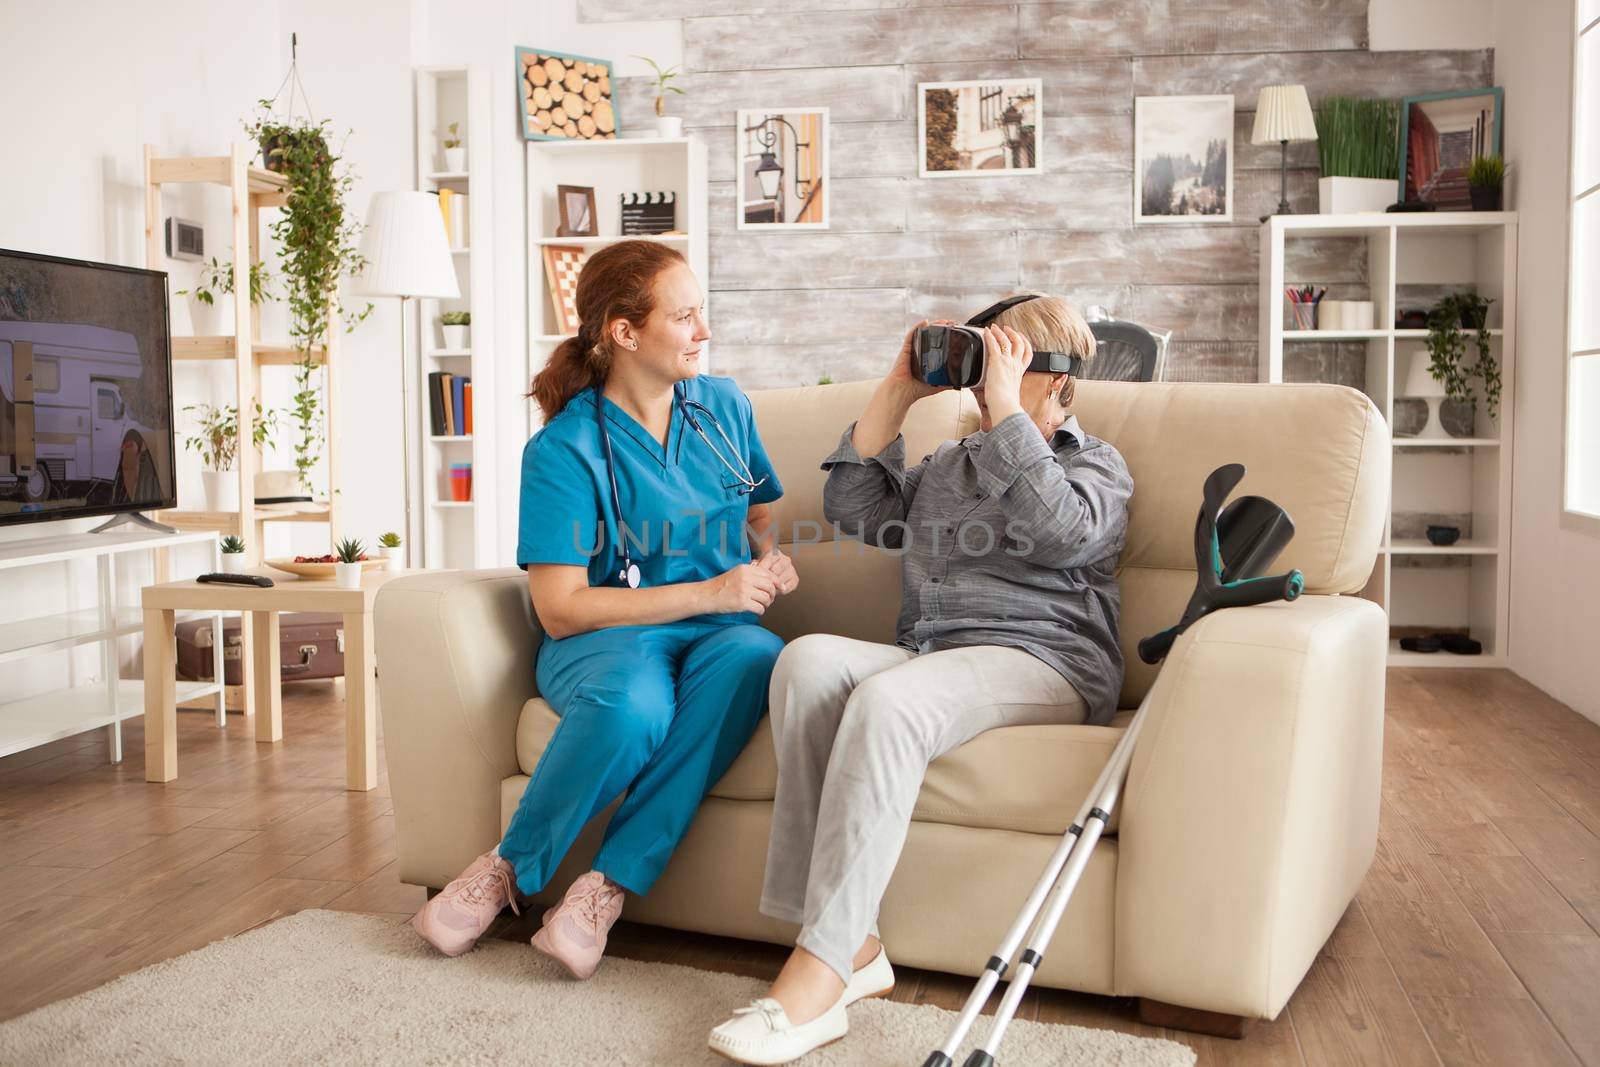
[[319, 243], [1447, 349]]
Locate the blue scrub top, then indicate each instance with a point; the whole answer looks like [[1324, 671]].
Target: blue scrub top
[[682, 510]]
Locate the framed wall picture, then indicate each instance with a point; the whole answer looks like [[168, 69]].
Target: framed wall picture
[[564, 97], [575, 204], [562, 265], [782, 168], [1182, 159], [1440, 133], [980, 128]]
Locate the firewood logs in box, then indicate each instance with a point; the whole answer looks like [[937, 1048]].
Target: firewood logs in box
[[564, 97]]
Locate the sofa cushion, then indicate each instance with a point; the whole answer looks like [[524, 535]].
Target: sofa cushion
[[1024, 778]]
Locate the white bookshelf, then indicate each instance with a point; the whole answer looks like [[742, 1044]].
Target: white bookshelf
[[457, 534], [1464, 480], [611, 168], [109, 700]]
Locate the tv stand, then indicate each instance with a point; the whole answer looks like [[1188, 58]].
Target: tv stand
[[133, 518]]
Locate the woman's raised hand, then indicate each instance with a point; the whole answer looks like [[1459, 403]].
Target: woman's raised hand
[[1006, 356], [747, 587], [900, 373]]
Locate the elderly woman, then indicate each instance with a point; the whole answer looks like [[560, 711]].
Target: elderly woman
[[1009, 540]]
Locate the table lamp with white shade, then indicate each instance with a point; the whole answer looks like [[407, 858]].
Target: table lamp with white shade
[[407, 255], [1420, 382], [1283, 116]]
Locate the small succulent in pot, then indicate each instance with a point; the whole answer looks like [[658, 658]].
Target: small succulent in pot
[[455, 325], [232, 554], [347, 572], [389, 548], [389, 540], [232, 545]]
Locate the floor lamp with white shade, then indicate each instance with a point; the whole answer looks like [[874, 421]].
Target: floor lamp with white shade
[[407, 255]]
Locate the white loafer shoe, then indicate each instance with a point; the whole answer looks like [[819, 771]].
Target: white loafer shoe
[[763, 1034], [876, 979]]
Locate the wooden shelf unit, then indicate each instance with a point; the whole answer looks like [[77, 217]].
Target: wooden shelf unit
[[458, 534], [253, 189], [1405, 260]]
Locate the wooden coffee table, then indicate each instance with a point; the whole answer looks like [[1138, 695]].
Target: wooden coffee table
[[259, 610]]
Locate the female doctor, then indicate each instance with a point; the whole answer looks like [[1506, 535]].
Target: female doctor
[[636, 497]]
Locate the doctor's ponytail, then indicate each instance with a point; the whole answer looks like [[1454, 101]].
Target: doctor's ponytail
[[617, 282]]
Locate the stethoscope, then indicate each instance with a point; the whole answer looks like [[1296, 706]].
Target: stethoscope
[[748, 483]]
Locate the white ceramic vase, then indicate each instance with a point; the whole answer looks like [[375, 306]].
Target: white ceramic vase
[[222, 490], [669, 126], [396, 556], [233, 563], [457, 338], [211, 320], [455, 160], [347, 575]]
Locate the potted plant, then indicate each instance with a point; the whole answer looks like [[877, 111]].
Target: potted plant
[[347, 571], [666, 125], [1358, 145], [320, 247], [216, 280], [455, 157], [455, 325], [389, 548], [1486, 178], [1447, 352], [232, 555], [217, 441]]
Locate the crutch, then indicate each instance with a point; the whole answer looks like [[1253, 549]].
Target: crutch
[[1232, 546]]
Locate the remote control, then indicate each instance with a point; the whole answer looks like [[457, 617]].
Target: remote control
[[237, 579]]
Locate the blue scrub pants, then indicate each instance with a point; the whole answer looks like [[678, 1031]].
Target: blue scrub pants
[[660, 711]]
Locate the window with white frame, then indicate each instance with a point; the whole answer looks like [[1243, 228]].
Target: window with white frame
[[1582, 494]]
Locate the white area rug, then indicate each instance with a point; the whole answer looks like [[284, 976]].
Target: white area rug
[[333, 988]]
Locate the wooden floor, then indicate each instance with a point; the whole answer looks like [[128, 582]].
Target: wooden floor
[[1473, 940]]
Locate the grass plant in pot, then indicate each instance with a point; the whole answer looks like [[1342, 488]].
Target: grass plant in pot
[[232, 555], [208, 311], [456, 327], [1486, 179], [347, 571], [217, 440], [1447, 359], [669, 126], [1358, 147], [319, 242]]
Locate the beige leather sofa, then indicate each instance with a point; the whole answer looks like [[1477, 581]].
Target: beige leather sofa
[[1251, 810]]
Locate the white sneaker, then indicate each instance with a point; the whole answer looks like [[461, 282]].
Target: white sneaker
[[763, 1034], [876, 979]]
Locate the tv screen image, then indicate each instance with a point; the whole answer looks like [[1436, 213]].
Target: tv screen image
[[86, 423]]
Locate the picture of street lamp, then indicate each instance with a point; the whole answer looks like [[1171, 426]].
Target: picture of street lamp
[[783, 166]]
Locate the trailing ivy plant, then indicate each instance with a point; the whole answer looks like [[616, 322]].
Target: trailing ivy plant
[[1447, 349], [319, 247]]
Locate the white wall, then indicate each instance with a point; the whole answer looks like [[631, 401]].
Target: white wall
[[1555, 572]]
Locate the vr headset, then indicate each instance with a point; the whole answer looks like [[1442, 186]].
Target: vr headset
[[952, 356]]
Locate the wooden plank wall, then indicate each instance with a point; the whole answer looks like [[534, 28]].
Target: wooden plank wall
[[789, 308]]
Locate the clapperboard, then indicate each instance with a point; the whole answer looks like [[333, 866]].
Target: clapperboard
[[648, 213]]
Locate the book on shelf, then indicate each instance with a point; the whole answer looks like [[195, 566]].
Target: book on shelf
[[435, 403], [466, 405], [445, 196], [456, 228], [458, 418]]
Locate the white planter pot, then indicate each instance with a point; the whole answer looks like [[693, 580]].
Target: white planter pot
[[233, 563], [211, 320], [455, 160], [222, 490], [1349, 196], [347, 575], [670, 126], [457, 337], [396, 556]]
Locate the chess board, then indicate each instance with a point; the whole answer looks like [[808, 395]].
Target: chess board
[[562, 265]]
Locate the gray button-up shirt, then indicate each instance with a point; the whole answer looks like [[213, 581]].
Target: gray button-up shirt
[[1005, 539]]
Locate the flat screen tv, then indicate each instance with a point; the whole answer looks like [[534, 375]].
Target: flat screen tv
[[86, 423]]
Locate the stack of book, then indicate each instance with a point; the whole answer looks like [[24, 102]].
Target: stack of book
[[453, 208], [450, 404]]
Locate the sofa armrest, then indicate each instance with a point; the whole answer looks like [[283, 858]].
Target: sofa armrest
[[1251, 811], [455, 653]]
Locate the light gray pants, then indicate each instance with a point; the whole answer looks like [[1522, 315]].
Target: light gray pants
[[855, 725]]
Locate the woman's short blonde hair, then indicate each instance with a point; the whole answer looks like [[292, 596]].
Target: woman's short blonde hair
[[1052, 325]]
